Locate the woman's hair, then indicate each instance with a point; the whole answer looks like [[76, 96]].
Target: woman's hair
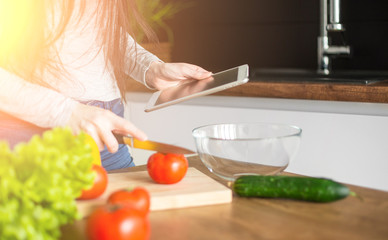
[[114, 29], [29, 31]]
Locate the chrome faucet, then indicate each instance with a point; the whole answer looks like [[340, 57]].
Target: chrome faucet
[[325, 50]]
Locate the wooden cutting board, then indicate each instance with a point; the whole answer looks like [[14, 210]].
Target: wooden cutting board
[[195, 189]]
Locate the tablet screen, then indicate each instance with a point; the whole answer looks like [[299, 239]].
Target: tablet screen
[[191, 87]]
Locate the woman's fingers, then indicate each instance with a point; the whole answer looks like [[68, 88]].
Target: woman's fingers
[[182, 71], [163, 75], [126, 128], [109, 140], [100, 125], [93, 132], [113, 123], [196, 72]]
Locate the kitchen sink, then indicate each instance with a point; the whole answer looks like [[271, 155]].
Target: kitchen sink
[[306, 75]]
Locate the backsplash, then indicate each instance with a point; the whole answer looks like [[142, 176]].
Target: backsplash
[[218, 34]]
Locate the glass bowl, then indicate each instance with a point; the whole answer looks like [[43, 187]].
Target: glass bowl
[[233, 149]]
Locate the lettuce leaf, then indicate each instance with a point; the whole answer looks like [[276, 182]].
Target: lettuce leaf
[[39, 182]]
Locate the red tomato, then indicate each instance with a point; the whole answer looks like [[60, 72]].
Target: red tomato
[[138, 198], [99, 185], [117, 222], [167, 169]]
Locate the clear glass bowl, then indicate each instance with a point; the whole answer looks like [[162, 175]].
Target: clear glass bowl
[[234, 149]]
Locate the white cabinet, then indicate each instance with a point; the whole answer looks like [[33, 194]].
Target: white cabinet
[[344, 141]]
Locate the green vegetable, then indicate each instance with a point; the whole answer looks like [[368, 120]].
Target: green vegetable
[[39, 182], [300, 188]]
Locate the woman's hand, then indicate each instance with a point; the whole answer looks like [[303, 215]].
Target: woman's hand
[[162, 75], [100, 123]]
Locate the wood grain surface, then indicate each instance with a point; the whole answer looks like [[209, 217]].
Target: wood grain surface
[[361, 217], [377, 92], [313, 91], [195, 189]]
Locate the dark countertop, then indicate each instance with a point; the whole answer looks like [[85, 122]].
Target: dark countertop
[[373, 92]]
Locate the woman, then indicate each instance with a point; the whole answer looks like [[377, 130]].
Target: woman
[[63, 63]]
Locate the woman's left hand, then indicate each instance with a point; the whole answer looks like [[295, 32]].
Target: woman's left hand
[[162, 75]]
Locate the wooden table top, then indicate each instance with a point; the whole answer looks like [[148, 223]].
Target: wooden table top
[[362, 217], [374, 92]]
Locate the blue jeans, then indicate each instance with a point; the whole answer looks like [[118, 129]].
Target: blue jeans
[[14, 130]]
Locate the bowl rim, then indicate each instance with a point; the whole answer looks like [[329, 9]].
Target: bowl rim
[[298, 132]]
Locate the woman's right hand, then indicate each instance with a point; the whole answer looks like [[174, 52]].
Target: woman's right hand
[[100, 123]]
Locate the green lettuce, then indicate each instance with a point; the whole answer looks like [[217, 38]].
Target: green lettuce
[[39, 182]]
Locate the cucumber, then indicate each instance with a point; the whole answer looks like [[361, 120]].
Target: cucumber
[[299, 188]]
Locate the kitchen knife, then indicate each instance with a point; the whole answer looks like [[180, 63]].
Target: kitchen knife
[[151, 145]]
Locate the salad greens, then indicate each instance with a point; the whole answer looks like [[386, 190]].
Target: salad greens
[[39, 182]]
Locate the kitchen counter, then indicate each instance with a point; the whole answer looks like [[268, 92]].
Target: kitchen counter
[[373, 92], [362, 217]]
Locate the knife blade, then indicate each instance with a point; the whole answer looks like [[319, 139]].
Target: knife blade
[[151, 145]]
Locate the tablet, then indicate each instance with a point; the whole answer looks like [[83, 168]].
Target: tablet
[[189, 89]]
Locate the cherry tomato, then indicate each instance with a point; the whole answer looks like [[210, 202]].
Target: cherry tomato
[[167, 169], [99, 185], [117, 222], [138, 198]]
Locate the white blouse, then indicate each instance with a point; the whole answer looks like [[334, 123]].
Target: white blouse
[[87, 78]]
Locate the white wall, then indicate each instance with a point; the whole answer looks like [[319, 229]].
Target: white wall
[[341, 140]]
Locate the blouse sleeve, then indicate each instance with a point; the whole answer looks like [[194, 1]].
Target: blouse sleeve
[[33, 103], [141, 59]]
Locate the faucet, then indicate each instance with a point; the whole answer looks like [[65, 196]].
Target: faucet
[[325, 50]]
